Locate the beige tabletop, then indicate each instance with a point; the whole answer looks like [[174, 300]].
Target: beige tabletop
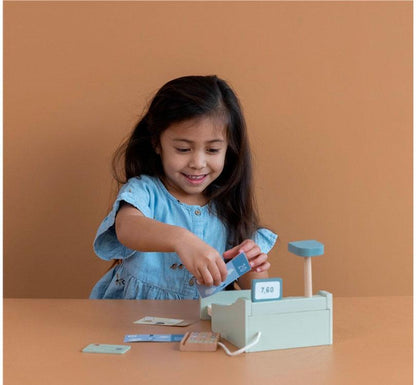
[[43, 339]]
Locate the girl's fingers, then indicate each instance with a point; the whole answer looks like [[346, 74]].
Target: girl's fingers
[[211, 274], [215, 274], [222, 269], [258, 261], [264, 267], [231, 253], [205, 276], [253, 253], [244, 246], [199, 278]]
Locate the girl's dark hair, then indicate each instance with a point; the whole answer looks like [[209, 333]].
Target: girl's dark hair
[[188, 98]]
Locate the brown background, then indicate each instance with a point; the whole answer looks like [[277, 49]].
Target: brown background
[[327, 93]]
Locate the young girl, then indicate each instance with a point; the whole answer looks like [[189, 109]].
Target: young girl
[[187, 200]]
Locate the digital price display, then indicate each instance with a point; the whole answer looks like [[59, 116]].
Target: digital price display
[[269, 289]]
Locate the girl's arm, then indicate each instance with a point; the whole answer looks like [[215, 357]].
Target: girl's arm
[[138, 232], [245, 281]]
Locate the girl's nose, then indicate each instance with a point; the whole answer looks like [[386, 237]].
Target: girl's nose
[[197, 161]]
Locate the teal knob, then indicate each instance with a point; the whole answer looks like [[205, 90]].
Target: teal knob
[[309, 248]]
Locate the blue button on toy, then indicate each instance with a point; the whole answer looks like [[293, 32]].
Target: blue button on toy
[[306, 248]]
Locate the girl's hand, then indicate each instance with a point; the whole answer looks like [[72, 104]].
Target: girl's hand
[[201, 260], [258, 260]]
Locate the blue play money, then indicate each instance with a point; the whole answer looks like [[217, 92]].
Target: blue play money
[[236, 268], [153, 337]]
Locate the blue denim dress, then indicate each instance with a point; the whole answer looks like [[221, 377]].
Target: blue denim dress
[[157, 275]]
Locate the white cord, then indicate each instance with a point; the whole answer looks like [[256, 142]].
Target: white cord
[[255, 341]]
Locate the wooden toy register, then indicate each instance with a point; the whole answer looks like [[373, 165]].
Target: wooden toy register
[[263, 315]]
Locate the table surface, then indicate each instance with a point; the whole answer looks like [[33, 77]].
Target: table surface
[[43, 339]]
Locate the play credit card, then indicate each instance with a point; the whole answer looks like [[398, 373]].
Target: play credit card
[[236, 268], [162, 321], [105, 348], [153, 337]]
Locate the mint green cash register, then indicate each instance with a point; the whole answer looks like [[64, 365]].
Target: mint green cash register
[[264, 315]]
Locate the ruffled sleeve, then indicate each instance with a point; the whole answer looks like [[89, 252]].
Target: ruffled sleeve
[[265, 239], [138, 193]]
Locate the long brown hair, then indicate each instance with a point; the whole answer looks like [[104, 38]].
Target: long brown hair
[[187, 98]]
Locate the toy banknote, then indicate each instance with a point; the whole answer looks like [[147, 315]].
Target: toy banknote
[[236, 268]]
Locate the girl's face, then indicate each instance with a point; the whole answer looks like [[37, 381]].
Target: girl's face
[[192, 154]]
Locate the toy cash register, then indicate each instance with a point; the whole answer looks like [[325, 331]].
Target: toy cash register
[[262, 314]]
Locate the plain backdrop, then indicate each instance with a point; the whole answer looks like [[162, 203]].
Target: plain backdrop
[[327, 93]]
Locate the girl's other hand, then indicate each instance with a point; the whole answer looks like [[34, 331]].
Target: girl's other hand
[[201, 260], [258, 260]]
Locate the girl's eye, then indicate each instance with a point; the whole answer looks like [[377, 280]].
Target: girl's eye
[[182, 149], [213, 150]]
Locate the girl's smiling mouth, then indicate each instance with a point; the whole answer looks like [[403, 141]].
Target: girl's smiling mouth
[[195, 179]]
